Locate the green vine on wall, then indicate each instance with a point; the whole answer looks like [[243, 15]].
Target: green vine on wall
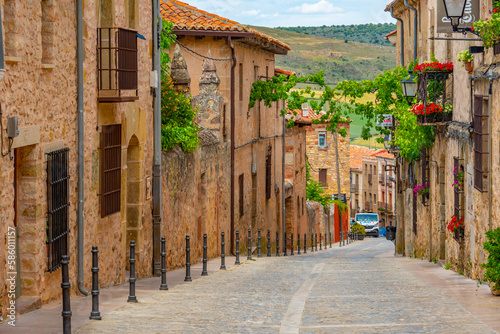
[[343, 101], [178, 127]]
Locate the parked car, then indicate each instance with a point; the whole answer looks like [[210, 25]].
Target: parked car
[[370, 222]]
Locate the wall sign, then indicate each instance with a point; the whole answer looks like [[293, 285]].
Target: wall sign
[[471, 14]]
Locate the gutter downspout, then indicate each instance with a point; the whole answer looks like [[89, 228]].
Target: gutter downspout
[[283, 199], [79, 42], [2, 62], [490, 204], [402, 38], [415, 26], [233, 103], [157, 28]]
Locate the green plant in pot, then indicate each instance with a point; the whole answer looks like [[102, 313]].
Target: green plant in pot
[[489, 29], [492, 274], [359, 230], [466, 58]]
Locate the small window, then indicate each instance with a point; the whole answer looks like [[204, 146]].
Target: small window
[[481, 135], [322, 139], [305, 110], [241, 184], [58, 206], [47, 31], [323, 177], [111, 156]]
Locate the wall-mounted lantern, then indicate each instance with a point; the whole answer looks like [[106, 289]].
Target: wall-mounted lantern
[[455, 11], [409, 87]]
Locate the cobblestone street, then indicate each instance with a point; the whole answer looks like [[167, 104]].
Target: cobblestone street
[[360, 288]]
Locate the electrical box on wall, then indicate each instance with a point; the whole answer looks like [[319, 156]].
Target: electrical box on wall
[[12, 127], [153, 79]]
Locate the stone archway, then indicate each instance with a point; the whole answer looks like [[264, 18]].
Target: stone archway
[[135, 194]]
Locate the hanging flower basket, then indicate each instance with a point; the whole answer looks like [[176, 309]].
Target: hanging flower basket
[[489, 29], [422, 189], [433, 113], [456, 226], [459, 173]]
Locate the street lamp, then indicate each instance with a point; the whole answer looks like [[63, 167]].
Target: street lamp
[[454, 12], [409, 87]]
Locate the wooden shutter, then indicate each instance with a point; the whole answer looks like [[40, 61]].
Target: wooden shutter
[[111, 156], [323, 177], [268, 173], [241, 181], [480, 145], [127, 59]]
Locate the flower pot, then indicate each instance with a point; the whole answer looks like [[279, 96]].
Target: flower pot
[[469, 66], [494, 292], [361, 237]]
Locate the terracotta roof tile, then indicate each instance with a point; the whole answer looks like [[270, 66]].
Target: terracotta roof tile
[[357, 153], [391, 33], [388, 8], [279, 71], [183, 16]]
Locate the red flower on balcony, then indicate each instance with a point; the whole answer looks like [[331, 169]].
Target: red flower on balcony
[[454, 224], [432, 108], [433, 67]]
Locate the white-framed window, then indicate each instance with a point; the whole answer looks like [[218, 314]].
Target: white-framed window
[[322, 139]]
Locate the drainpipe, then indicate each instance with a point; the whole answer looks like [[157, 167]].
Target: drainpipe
[[79, 42], [490, 204], [283, 177], [233, 103], [157, 26], [2, 63], [414, 29], [402, 38]]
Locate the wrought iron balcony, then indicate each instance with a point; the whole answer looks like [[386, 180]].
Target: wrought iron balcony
[[368, 206], [117, 65], [354, 188], [381, 178], [435, 98]]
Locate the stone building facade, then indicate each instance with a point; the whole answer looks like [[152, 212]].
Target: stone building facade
[[39, 196], [472, 147], [245, 176]]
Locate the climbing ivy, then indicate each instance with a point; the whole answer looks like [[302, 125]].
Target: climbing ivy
[[343, 101], [178, 127]]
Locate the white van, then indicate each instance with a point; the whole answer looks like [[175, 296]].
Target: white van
[[369, 221]]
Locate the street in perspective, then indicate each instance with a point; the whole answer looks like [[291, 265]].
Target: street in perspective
[[309, 166]]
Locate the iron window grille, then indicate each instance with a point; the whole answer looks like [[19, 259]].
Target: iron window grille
[[268, 173], [435, 87], [458, 196], [117, 65], [57, 208], [111, 156], [480, 145]]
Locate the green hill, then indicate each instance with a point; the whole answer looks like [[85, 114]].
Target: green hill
[[362, 33], [338, 60]]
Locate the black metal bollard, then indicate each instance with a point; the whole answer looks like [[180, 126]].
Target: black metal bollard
[[305, 243], [65, 285], [249, 256], [291, 244], [340, 240], [343, 235], [222, 252], [268, 243], [163, 285], [95, 314], [277, 243], [188, 261], [237, 247], [284, 245], [330, 239], [131, 295], [298, 243], [312, 242], [325, 242], [204, 272], [259, 246], [316, 241], [320, 248]]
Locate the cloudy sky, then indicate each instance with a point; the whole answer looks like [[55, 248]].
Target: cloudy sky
[[286, 13]]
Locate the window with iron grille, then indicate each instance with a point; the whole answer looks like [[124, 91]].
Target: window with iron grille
[[57, 208], [323, 177], [117, 65], [480, 145], [268, 173], [241, 183], [458, 194], [111, 156]]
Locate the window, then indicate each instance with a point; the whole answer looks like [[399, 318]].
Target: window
[[268, 173], [57, 208], [111, 156], [298, 206], [323, 177], [480, 145], [10, 24], [255, 73], [305, 110], [241, 180], [322, 139], [241, 82]]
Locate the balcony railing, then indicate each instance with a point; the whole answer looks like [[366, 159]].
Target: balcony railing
[[117, 65], [354, 188], [368, 206], [385, 207], [381, 178], [435, 90]]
